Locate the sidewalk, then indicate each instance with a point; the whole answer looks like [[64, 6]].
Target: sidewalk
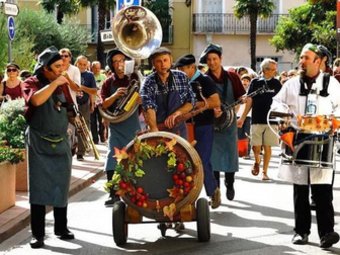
[[83, 174]]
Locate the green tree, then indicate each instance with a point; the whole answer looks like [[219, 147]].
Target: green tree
[[72, 7], [61, 7], [253, 9], [161, 10], [37, 30], [311, 22], [104, 7], [22, 48]]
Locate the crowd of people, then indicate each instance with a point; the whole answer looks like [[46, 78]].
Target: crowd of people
[[173, 88]]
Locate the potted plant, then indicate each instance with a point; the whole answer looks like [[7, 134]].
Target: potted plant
[[8, 158], [12, 130]]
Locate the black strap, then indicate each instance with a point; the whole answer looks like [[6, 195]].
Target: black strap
[[305, 91]]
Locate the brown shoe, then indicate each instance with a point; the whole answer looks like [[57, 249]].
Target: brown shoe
[[256, 169], [216, 198]]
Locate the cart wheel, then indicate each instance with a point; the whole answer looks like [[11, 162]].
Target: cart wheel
[[162, 227], [203, 220], [119, 226]]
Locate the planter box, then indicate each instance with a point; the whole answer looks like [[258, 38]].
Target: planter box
[[7, 186], [21, 183]]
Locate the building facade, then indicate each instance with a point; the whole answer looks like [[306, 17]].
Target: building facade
[[214, 22], [198, 23]]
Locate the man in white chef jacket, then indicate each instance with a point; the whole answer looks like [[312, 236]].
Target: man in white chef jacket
[[313, 94]]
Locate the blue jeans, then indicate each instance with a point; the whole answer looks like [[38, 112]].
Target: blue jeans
[[204, 136]]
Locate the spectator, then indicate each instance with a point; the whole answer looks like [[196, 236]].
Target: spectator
[[10, 88], [261, 134], [98, 129]]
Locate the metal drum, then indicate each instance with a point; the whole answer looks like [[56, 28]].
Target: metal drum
[[310, 150]]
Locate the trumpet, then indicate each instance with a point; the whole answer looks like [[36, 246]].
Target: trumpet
[[84, 134]]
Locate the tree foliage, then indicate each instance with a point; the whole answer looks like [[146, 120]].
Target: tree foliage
[[253, 9], [311, 22], [161, 10], [22, 53], [37, 30]]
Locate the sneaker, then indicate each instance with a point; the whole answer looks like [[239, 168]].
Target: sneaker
[[329, 239], [36, 243], [300, 239], [247, 157], [216, 199], [80, 158]]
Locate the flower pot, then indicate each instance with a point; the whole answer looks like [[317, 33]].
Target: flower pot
[[21, 183], [7, 186]]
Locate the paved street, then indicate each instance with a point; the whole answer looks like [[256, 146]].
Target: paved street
[[258, 221]]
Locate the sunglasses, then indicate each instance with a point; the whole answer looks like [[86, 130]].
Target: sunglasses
[[64, 56], [11, 70]]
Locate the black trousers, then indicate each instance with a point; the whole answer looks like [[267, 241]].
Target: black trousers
[[229, 178], [38, 213], [97, 127], [323, 197]]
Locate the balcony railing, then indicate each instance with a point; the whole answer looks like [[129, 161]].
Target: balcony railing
[[227, 23]]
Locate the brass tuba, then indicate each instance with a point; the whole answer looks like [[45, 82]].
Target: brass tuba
[[137, 33]]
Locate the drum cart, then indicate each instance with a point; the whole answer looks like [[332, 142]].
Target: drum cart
[[160, 207]]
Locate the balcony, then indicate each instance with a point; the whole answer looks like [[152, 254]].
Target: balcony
[[227, 23]]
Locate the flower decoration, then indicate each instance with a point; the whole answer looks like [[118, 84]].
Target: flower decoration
[[130, 167]]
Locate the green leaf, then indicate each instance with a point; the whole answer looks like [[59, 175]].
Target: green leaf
[[139, 173]]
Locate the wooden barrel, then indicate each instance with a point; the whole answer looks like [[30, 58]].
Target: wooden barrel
[[173, 175]]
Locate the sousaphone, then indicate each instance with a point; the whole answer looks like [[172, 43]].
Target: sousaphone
[[137, 33]]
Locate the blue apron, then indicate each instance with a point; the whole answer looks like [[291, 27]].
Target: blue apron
[[49, 155], [120, 134], [224, 156], [167, 103]]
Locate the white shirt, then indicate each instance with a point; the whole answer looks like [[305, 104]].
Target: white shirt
[[289, 100], [74, 74]]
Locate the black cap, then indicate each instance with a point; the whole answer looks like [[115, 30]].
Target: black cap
[[211, 48], [159, 51], [185, 60], [46, 58], [325, 53], [111, 54]]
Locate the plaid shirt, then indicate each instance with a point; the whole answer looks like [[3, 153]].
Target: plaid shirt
[[180, 82]]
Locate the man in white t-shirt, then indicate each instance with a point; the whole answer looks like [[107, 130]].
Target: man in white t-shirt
[[72, 71]]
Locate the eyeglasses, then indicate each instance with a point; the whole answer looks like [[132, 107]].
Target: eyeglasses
[[11, 70], [64, 56]]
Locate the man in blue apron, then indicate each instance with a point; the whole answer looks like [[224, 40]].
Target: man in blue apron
[[120, 133], [166, 94], [49, 152], [206, 95], [229, 87]]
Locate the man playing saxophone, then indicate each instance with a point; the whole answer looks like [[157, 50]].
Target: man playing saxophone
[[120, 133]]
